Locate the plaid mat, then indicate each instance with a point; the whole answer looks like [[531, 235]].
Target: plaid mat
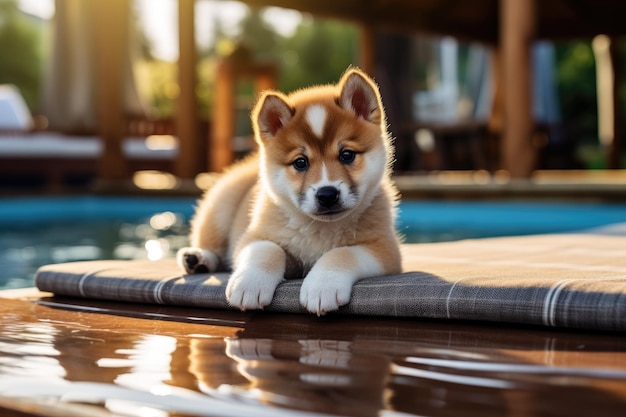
[[562, 280]]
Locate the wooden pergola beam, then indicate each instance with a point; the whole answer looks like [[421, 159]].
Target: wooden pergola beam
[[435, 17], [367, 48], [614, 154], [111, 37], [187, 162], [223, 125], [230, 71], [517, 35]]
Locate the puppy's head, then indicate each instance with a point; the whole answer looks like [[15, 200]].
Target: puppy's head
[[323, 150]]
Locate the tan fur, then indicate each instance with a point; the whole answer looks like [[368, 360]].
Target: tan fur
[[264, 217]]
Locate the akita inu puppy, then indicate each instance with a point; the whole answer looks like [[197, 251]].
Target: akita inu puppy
[[316, 201]]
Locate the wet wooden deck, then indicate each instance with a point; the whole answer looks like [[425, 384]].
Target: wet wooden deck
[[62, 356]]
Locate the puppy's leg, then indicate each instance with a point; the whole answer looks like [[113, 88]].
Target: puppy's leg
[[208, 234], [329, 283], [259, 268], [220, 212]]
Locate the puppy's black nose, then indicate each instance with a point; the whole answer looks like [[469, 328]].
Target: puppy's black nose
[[327, 196]]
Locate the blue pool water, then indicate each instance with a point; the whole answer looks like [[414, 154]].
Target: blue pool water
[[39, 231]]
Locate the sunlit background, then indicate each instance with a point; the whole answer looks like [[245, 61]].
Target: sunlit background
[[450, 84], [281, 34]]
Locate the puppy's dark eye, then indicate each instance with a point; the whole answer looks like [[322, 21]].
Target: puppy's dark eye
[[347, 156], [301, 164]]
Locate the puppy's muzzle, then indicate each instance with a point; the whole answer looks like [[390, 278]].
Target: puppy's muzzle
[[328, 200]]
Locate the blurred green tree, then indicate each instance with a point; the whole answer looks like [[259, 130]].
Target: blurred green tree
[[576, 78], [20, 47], [258, 36], [319, 52]]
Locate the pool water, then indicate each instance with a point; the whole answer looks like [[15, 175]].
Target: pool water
[[36, 232], [39, 231]]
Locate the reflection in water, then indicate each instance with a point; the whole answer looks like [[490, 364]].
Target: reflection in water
[[148, 363], [269, 365], [26, 350], [314, 375], [323, 375]]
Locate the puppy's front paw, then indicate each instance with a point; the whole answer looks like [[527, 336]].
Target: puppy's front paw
[[250, 288], [197, 260], [323, 291]]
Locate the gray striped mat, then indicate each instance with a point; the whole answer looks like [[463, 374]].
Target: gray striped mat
[[562, 280]]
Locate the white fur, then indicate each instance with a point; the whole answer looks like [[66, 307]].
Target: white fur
[[324, 180], [282, 193], [274, 181], [316, 118], [376, 162], [280, 188], [327, 286], [252, 283]]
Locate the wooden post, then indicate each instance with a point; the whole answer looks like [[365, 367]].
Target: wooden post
[[111, 37], [366, 48], [239, 65], [265, 81], [223, 124], [616, 147], [517, 27], [186, 113], [495, 122]]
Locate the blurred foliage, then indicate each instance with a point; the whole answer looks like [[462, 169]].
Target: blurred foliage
[[576, 78], [20, 43], [258, 36], [318, 53], [157, 83]]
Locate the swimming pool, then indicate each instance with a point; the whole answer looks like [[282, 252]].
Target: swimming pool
[[42, 230]]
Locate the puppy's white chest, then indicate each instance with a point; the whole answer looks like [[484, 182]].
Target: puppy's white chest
[[309, 242]]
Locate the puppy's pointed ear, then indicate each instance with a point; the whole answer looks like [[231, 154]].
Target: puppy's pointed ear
[[359, 94], [271, 114]]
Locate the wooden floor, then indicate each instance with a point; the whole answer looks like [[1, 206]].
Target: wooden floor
[[574, 185], [64, 357]]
